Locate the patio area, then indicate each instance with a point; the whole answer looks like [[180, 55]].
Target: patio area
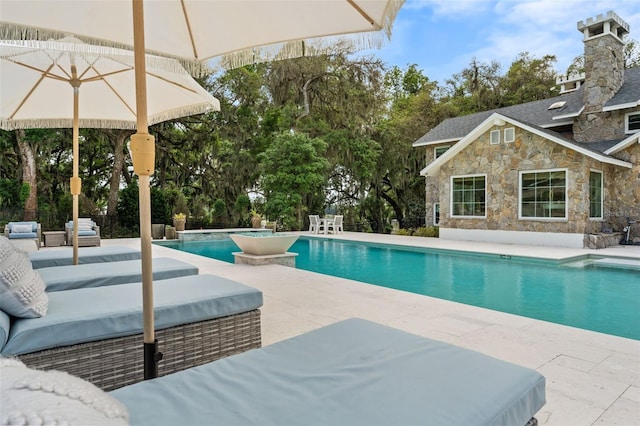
[[591, 378]]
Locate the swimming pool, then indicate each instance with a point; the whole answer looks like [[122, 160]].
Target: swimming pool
[[592, 298]]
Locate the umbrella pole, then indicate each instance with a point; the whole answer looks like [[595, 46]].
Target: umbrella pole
[[75, 184], [143, 156]]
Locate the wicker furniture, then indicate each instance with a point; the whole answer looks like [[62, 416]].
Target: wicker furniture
[[54, 238], [113, 363], [35, 234], [86, 237]]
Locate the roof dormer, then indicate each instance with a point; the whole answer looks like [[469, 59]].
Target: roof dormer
[[570, 83]]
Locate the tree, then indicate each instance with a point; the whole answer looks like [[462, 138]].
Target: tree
[[292, 168], [528, 79]]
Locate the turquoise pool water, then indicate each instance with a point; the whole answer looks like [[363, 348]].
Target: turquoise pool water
[[593, 298]]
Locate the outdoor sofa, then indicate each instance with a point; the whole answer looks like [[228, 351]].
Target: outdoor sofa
[[96, 333], [64, 256], [354, 372], [88, 232], [19, 231], [70, 277]]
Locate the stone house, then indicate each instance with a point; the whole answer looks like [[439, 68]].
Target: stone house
[[563, 171]]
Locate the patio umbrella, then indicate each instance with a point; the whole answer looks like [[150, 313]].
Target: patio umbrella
[[235, 31], [41, 82]]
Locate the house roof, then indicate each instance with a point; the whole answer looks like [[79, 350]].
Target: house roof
[[536, 113], [590, 150]]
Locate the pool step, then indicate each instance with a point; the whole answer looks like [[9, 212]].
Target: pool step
[[612, 262]]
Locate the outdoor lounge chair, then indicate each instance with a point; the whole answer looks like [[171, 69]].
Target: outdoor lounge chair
[[353, 372], [88, 232], [96, 333], [335, 226], [64, 257], [19, 231], [59, 278]]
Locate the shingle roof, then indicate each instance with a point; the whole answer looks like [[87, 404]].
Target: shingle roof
[[536, 112]]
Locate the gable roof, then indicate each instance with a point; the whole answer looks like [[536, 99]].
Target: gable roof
[[536, 112], [625, 143], [433, 169]]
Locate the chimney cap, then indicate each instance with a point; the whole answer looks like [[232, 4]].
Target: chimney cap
[[595, 26]]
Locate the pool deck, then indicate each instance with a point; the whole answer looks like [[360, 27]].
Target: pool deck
[[591, 378]]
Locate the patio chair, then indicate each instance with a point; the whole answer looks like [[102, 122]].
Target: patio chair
[[314, 223], [88, 232], [23, 231], [336, 225]]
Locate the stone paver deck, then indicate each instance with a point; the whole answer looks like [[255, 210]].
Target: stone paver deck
[[592, 378]]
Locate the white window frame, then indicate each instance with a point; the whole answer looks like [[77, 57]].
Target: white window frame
[[436, 148], [601, 217], [451, 209], [512, 136], [627, 116], [436, 214], [494, 138], [566, 195]]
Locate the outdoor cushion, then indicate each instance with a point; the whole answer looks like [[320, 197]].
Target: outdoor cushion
[[21, 288], [22, 227], [90, 314], [54, 397], [5, 326], [64, 256], [59, 278], [354, 372]]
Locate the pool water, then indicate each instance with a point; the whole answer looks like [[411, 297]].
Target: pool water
[[593, 298]]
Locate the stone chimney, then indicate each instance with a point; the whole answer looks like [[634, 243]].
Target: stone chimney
[[604, 74]]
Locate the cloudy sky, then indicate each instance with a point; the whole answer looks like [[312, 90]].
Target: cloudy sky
[[442, 36]]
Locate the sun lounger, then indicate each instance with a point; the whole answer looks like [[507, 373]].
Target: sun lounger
[[64, 257], [59, 278], [350, 373], [96, 333]]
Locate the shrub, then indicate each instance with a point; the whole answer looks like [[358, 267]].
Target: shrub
[[430, 231]]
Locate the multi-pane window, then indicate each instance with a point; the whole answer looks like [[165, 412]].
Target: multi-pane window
[[468, 196], [595, 195], [509, 134], [438, 151], [543, 194], [632, 122], [495, 137], [436, 214]]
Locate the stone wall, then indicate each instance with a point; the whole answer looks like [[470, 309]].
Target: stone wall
[[624, 191], [502, 163]]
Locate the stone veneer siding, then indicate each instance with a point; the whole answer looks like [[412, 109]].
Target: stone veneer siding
[[502, 164], [623, 190]]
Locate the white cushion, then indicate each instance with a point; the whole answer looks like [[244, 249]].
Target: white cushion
[[22, 229], [21, 288], [54, 397]]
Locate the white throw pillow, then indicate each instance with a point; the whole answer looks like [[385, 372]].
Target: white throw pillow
[[54, 398], [21, 288], [22, 229]]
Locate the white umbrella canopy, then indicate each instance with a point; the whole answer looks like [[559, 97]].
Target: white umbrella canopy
[[235, 32], [41, 83]]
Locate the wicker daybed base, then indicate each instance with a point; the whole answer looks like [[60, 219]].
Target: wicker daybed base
[[113, 363]]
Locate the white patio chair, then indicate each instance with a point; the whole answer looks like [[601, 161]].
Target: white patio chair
[[336, 225], [314, 223]]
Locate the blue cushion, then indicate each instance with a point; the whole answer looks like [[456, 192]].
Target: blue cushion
[[47, 258], [5, 326], [59, 278], [350, 373], [22, 235], [86, 233], [89, 314]]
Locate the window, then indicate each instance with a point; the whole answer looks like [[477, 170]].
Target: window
[[436, 214], [595, 195], [509, 135], [468, 196], [543, 194], [632, 122], [495, 137], [439, 150]]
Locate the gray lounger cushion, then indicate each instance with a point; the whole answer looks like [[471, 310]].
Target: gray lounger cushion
[[90, 314], [64, 256], [354, 372], [101, 274]]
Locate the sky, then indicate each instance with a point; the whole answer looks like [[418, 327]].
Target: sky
[[442, 36]]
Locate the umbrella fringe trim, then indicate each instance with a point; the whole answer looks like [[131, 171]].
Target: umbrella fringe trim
[[23, 36], [103, 124]]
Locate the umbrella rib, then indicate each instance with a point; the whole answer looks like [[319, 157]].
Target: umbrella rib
[[115, 92], [182, 86], [186, 20], [362, 12], [26, 98], [45, 73]]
